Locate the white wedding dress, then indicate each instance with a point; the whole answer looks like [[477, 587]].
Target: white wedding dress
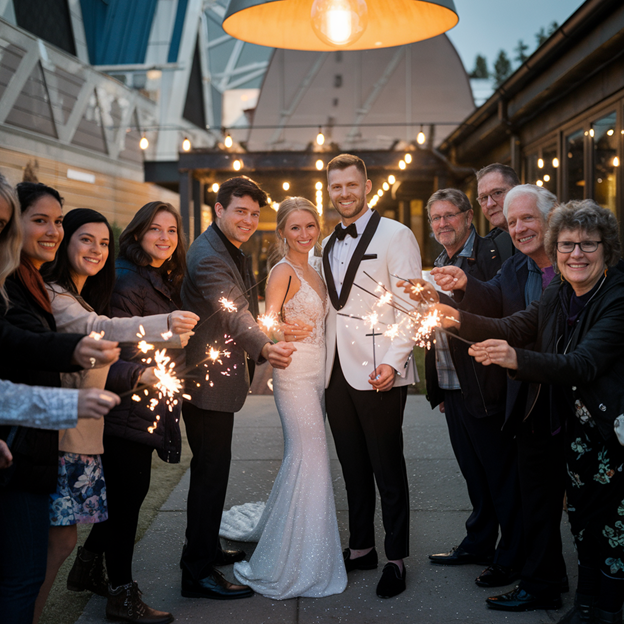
[[298, 552]]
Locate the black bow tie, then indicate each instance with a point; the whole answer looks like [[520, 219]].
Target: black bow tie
[[342, 232]]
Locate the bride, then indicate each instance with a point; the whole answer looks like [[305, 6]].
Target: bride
[[298, 552]]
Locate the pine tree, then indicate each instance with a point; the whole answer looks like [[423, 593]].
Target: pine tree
[[502, 68], [553, 28], [540, 36], [520, 51], [480, 68]]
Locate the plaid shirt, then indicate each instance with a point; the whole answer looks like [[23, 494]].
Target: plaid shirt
[[447, 377]]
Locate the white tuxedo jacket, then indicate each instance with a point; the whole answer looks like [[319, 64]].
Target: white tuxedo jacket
[[386, 247]]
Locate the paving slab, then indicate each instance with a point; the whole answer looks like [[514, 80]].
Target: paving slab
[[439, 507]]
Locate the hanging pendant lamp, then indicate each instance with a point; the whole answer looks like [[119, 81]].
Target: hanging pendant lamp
[[325, 25]]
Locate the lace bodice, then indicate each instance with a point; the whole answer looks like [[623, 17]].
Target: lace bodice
[[307, 307]]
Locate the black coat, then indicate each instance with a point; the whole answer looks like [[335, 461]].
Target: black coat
[[483, 388], [142, 291], [34, 357], [591, 364]]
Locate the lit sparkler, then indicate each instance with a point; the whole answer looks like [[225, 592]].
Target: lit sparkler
[[96, 335], [144, 347], [227, 305]]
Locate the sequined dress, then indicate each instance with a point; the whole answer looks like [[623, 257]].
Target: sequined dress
[[298, 552]]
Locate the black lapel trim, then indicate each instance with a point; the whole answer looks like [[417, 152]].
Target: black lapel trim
[[329, 277], [356, 258]]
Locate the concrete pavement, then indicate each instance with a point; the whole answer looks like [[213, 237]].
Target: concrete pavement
[[439, 507]]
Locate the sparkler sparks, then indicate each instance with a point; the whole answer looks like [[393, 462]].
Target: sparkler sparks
[[96, 335], [227, 305], [167, 335], [144, 347]]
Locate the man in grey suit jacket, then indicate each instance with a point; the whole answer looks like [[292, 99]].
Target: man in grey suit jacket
[[217, 269]]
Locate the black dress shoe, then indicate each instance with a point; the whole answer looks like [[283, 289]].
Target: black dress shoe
[[392, 581], [367, 562], [521, 600], [213, 586], [459, 556], [497, 576], [227, 557]]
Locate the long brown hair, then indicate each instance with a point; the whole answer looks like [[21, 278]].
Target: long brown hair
[[130, 242]]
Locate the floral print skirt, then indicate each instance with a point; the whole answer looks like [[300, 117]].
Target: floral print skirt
[[596, 494], [80, 496]]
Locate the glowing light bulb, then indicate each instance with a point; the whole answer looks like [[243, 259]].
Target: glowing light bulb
[[380, 192], [339, 22], [319, 165], [540, 163], [421, 138], [616, 161], [320, 138], [555, 162], [143, 143], [385, 186], [215, 188], [391, 179], [318, 186], [408, 158], [610, 132], [237, 164], [539, 183], [402, 164], [228, 142], [286, 186], [546, 178], [186, 144]]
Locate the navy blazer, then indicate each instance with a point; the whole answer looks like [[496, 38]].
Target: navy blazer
[[483, 387]]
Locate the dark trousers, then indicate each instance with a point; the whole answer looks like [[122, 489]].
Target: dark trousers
[[367, 430], [127, 470], [488, 461], [24, 528], [210, 438], [542, 471]]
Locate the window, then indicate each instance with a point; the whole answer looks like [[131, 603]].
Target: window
[[573, 157], [605, 160]]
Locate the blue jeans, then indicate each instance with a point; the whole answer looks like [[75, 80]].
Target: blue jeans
[[24, 527]]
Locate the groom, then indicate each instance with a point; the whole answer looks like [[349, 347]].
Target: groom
[[366, 385]]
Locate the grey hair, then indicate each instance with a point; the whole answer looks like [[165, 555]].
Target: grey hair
[[587, 216], [509, 174], [544, 199], [456, 197]]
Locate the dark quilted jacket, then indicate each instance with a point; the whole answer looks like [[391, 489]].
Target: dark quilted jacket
[[143, 291]]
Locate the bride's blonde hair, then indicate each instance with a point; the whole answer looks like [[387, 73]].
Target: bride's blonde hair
[[10, 237], [288, 206]]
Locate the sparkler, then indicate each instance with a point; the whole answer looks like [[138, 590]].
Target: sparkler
[[372, 319], [227, 305], [96, 335]]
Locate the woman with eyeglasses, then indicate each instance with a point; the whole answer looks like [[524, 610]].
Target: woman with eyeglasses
[[577, 328]]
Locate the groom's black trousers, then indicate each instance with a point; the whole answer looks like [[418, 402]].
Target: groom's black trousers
[[367, 430], [210, 437]]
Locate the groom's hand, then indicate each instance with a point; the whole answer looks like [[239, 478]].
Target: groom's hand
[[382, 378], [279, 354]]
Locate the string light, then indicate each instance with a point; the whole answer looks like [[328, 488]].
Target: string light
[[546, 178], [320, 137], [215, 188], [385, 186], [228, 142], [144, 143], [186, 144], [318, 186], [237, 164], [540, 163], [616, 161], [555, 162], [319, 165], [421, 138], [539, 183], [391, 179], [408, 158], [380, 192], [286, 186], [402, 164]]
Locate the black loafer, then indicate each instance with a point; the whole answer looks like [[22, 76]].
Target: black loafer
[[368, 562], [521, 600], [213, 586], [497, 576], [392, 581], [228, 557], [459, 556]]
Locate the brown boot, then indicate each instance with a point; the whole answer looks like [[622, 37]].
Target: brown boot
[[125, 604], [88, 573]]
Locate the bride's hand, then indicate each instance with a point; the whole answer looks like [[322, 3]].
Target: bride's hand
[[296, 331]]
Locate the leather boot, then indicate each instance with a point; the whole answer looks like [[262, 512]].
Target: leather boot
[[88, 573], [125, 604], [583, 612], [607, 617]]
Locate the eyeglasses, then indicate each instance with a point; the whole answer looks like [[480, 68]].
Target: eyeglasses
[[495, 196], [450, 216], [586, 246]]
